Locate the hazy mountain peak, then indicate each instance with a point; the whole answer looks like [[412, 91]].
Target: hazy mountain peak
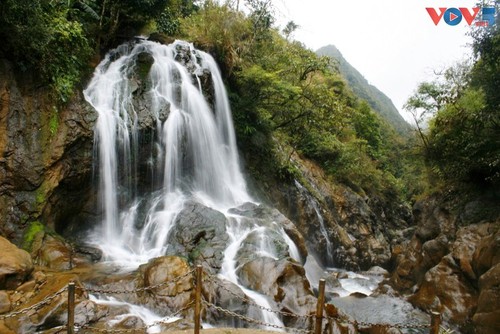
[[377, 100]]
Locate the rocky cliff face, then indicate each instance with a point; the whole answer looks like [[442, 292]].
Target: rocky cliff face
[[45, 155], [361, 230], [452, 262]]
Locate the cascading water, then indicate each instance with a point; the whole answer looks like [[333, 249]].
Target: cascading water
[[312, 201], [193, 154]]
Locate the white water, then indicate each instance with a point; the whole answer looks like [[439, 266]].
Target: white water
[[314, 204], [148, 317], [197, 147], [196, 158]]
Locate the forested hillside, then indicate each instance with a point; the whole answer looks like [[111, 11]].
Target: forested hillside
[[362, 88]]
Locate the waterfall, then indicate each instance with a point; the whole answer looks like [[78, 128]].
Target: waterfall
[[313, 202], [197, 145], [191, 154]]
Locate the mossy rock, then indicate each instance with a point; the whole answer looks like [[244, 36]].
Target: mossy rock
[[30, 234]]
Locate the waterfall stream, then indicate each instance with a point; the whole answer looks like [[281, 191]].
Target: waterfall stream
[[193, 155], [313, 202]]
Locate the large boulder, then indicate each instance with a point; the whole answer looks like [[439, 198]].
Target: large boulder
[[487, 316], [199, 233], [267, 216], [284, 282], [15, 265], [486, 264], [449, 263], [445, 289], [172, 281]]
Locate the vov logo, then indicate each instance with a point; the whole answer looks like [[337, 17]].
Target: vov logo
[[453, 16]]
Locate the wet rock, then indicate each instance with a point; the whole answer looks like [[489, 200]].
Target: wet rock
[[161, 38], [52, 311], [5, 303], [171, 293], [226, 295], [4, 329], [433, 251], [429, 220], [487, 253], [284, 282], [46, 155], [487, 316], [447, 290], [15, 265], [52, 252], [377, 271], [267, 217], [178, 325], [128, 322], [200, 233], [91, 254], [358, 295], [442, 273]]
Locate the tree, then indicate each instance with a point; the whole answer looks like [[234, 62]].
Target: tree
[[430, 97]]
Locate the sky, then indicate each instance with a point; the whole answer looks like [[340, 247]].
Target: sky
[[393, 43]]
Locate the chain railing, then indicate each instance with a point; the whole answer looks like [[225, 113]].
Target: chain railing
[[138, 290], [250, 302], [318, 317], [254, 321], [35, 307]]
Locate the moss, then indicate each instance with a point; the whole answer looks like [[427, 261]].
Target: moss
[[54, 122], [29, 235], [40, 197]]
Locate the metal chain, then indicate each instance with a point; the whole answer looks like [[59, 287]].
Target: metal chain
[[152, 287], [162, 321], [254, 321], [263, 308], [370, 324], [134, 330], [340, 317], [36, 306]]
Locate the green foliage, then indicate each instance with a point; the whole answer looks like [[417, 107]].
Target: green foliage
[[219, 29], [40, 36], [55, 39], [169, 21], [377, 100], [368, 127], [29, 235], [463, 137]]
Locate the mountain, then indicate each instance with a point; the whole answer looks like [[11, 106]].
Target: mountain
[[361, 88]]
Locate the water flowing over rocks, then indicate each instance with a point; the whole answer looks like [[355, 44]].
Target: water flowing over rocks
[[356, 231]]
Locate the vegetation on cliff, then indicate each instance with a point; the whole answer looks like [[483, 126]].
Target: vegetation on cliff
[[285, 98], [458, 117]]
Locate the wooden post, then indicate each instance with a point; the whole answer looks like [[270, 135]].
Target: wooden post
[[435, 322], [319, 306], [71, 308], [197, 305]]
